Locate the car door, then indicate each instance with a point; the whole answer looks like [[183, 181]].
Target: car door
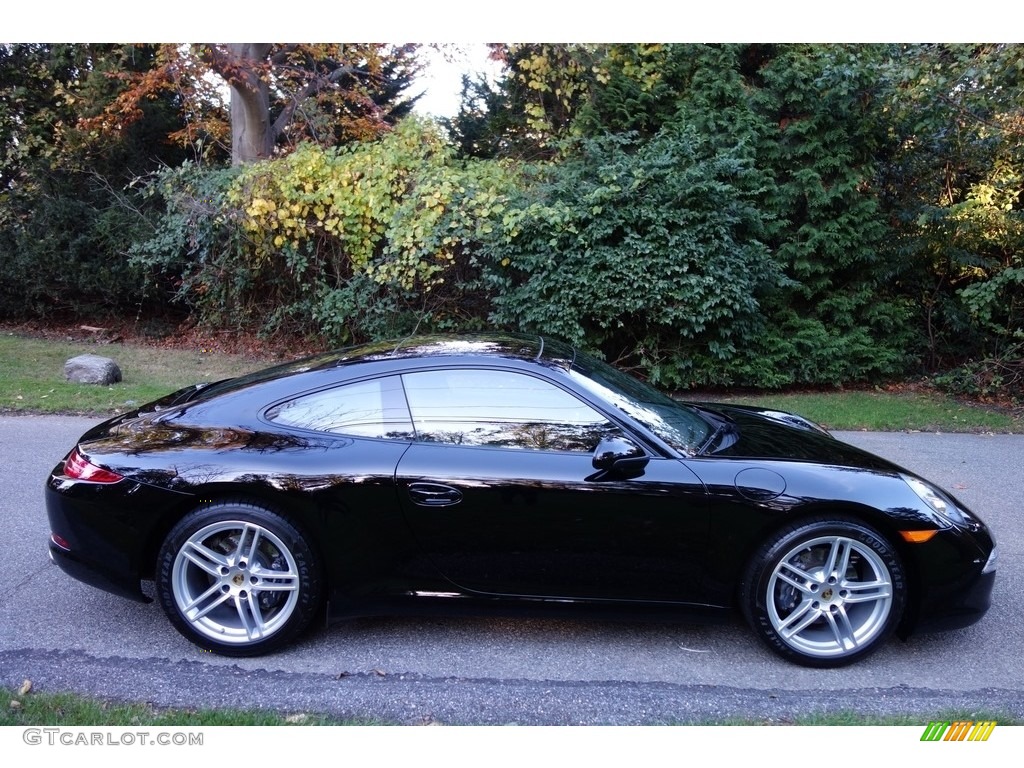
[[364, 429], [501, 494]]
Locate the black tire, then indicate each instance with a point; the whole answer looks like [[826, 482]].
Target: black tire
[[808, 607], [238, 579]]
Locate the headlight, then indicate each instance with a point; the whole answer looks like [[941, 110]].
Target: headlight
[[937, 501]]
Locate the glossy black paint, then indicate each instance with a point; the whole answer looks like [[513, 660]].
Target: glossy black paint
[[402, 524]]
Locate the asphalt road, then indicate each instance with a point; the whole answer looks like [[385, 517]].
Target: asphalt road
[[64, 635]]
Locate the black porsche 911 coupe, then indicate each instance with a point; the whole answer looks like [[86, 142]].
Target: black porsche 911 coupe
[[504, 473]]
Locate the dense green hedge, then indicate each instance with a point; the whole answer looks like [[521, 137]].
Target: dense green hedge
[[654, 252]]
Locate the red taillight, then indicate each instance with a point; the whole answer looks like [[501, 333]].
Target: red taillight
[[78, 468]]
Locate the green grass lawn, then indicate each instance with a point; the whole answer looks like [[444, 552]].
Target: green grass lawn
[[888, 411], [66, 709], [32, 381], [32, 375]]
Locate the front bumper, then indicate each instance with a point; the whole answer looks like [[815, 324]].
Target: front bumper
[[962, 609], [957, 572]]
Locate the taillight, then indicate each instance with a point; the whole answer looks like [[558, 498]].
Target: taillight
[[78, 467]]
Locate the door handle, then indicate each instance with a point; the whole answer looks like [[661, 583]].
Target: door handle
[[434, 495]]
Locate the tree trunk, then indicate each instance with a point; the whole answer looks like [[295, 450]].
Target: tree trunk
[[251, 135]]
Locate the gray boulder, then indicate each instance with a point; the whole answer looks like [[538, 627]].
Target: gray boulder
[[92, 369]]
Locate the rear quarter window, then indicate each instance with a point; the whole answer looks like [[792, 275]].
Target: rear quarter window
[[372, 408]]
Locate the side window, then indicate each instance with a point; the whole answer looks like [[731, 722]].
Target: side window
[[501, 409], [373, 408]]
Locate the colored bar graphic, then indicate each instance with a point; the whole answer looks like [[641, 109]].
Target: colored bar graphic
[[982, 731], [960, 730]]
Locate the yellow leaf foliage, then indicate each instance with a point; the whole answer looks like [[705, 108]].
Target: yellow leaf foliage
[[397, 209]]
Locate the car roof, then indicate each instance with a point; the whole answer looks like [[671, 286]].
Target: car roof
[[504, 345], [518, 346], [482, 346]]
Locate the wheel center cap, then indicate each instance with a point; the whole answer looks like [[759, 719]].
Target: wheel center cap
[[238, 579], [827, 594]]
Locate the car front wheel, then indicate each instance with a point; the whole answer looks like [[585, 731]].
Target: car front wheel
[[238, 579], [824, 592]]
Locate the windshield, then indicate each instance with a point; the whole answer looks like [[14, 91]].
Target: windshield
[[679, 426]]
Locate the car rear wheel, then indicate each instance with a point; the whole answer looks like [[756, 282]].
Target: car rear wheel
[[824, 592], [238, 579]]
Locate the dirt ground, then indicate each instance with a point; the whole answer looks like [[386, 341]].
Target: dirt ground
[[170, 335]]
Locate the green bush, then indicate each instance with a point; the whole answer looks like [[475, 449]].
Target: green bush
[[64, 253], [190, 255], [361, 242], [647, 251], [1000, 376]]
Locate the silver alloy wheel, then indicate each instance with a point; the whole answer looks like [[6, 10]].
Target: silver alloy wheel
[[829, 596], [235, 582]]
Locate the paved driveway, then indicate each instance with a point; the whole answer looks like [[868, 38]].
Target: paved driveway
[[66, 636]]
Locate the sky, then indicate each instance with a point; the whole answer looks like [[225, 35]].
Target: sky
[[442, 76]]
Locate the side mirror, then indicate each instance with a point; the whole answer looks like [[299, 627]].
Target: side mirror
[[621, 456]]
